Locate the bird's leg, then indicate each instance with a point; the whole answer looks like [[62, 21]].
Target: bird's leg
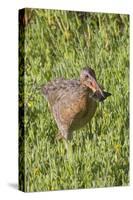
[[90, 133], [66, 139], [69, 151], [65, 135], [90, 127], [62, 135], [59, 136]]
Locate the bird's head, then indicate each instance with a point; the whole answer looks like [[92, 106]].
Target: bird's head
[[88, 79]]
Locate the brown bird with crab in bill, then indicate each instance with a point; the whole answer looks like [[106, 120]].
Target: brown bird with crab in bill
[[74, 102]]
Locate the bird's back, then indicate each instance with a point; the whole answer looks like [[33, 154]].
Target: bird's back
[[58, 89]]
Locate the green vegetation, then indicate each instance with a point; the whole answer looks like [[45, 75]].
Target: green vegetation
[[60, 44]]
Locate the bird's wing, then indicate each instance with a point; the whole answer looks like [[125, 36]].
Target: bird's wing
[[58, 89]]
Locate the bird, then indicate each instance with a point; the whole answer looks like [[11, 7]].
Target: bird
[[74, 102]]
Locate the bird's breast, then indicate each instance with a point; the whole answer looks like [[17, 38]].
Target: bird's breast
[[76, 112], [86, 108]]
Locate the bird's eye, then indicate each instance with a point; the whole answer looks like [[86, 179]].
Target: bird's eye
[[86, 76]]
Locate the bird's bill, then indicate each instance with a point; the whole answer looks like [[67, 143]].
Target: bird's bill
[[95, 87], [98, 97]]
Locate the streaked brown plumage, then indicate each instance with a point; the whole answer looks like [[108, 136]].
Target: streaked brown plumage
[[73, 102]]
